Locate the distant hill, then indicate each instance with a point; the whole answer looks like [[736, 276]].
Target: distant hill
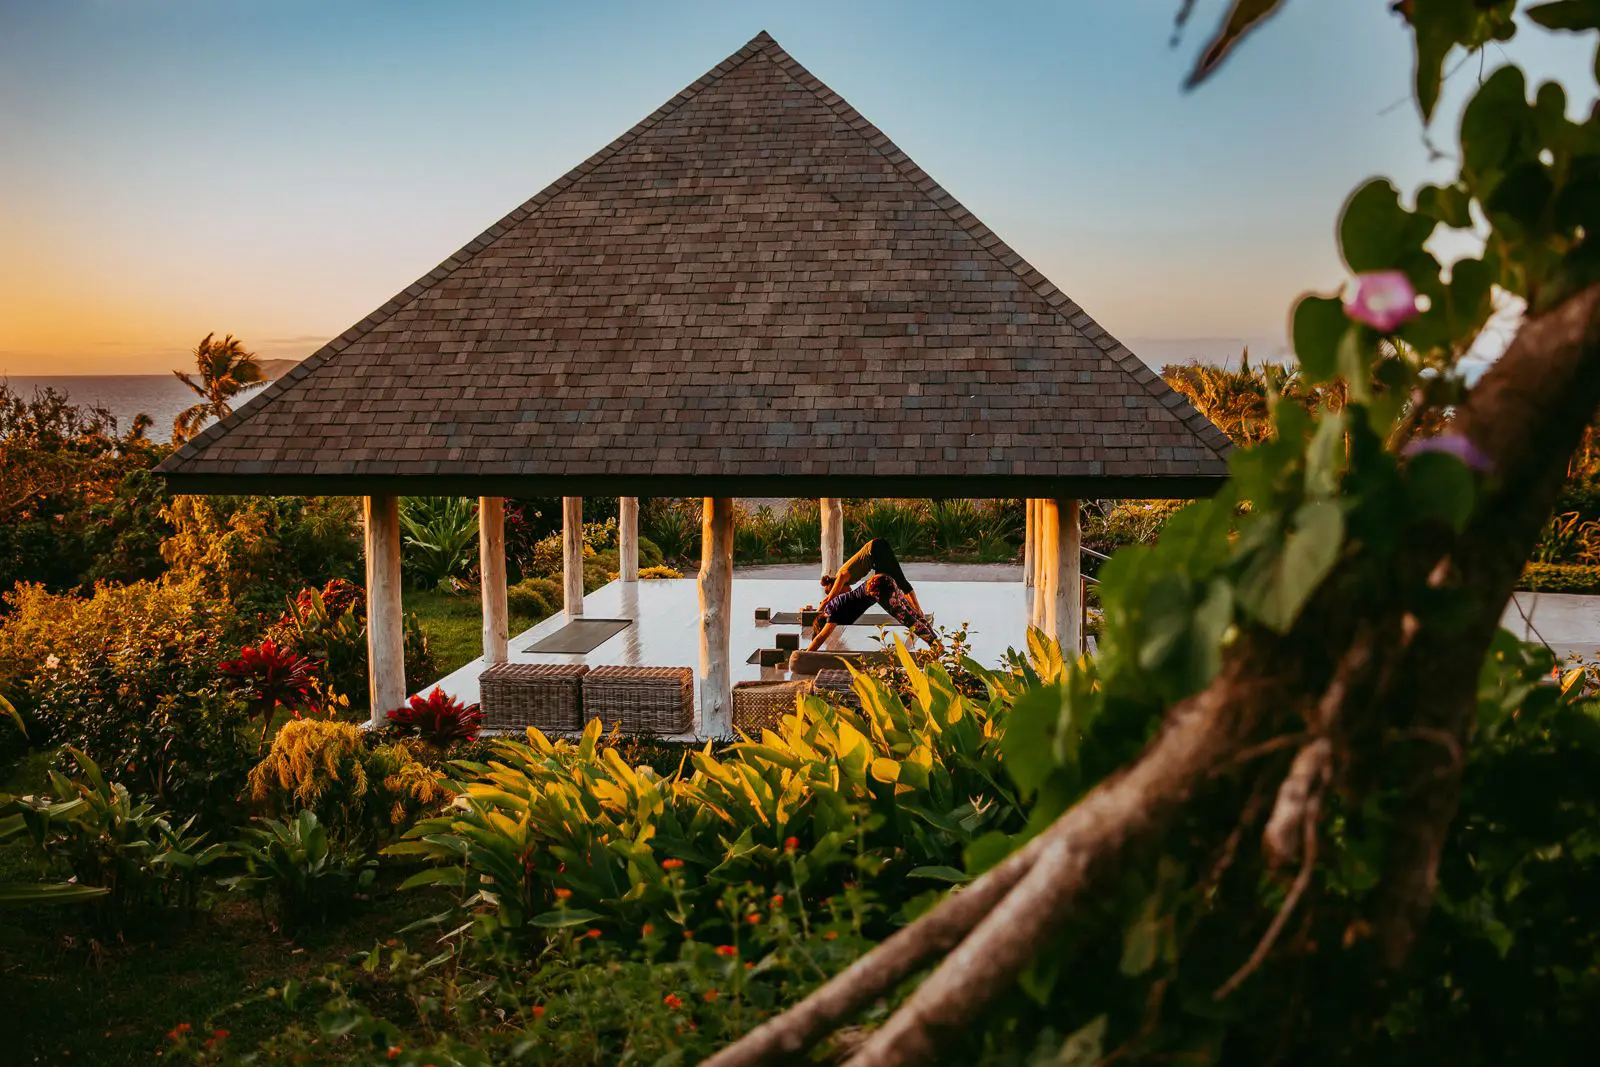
[[276, 368]]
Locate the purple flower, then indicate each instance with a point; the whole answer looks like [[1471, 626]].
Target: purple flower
[[1383, 299], [1451, 444]]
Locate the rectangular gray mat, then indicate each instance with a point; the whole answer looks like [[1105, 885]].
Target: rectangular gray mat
[[871, 618], [580, 636]]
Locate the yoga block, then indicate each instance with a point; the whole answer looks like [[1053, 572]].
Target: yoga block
[[789, 642], [772, 657], [763, 614], [808, 616]]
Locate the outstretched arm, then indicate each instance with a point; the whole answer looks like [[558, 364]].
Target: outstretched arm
[[821, 636]]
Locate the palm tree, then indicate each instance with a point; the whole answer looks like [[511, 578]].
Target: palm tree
[[223, 369]]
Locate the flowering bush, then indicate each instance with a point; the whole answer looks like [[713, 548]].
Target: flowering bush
[[438, 718], [329, 626]]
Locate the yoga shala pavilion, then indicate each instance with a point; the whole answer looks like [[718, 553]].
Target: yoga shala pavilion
[[751, 293]]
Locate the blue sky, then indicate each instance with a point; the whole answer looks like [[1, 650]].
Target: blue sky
[[280, 169]]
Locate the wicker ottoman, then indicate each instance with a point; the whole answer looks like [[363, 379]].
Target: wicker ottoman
[[761, 706], [514, 696], [641, 700], [838, 688]]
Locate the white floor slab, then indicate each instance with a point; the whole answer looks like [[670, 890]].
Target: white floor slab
[[665, 630]]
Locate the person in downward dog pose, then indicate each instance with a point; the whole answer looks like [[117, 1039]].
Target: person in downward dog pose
[[886, 586]]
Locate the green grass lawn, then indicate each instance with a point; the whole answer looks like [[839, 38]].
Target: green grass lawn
[[454, 624]]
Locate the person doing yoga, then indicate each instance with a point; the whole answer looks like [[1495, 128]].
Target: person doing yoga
[[886, 585]]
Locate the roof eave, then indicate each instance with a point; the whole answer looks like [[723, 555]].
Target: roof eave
[[1149, 487]]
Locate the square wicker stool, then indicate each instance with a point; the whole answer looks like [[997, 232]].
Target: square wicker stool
[[761, 706], [514, 696], [838, 687], [641, 700]]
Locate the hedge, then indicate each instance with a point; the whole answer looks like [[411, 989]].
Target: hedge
[[1560, 578]]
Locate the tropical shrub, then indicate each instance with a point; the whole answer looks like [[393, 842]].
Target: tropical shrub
[[1112, 524], [954, 524], [78, 501], [673, 524], [1569, 538], [440, 539], [360, 788], [757, 534], [439, 719], [537, 598], [269, 678], [129, 677], [654, 573], [1560, 578], [255, 550], [94, 831], [584, 1000], [903, 523], [895, 793], [296, 865], [329, 627]]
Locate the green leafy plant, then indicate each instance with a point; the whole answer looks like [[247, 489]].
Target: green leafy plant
[[295, 864], [98, 833], [903, 523], [895, 791], [440, 538], [672, 524], [536, 598]]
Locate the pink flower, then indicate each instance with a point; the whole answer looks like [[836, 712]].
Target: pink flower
[[1383, 299], [1451, 444]]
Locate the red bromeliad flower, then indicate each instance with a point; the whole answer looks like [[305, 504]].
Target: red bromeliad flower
[[271, 677], [438, 717]]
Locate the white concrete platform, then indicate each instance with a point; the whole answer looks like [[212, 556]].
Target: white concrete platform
[[1568, 623], [665, 630]]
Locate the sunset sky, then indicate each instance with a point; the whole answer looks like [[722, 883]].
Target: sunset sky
[[278, 170]]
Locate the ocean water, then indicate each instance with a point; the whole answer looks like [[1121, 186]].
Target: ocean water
[[161, 396]]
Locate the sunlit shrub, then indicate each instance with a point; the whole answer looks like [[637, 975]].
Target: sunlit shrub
[[359, 789], [256, 549], [817, 804], [129, 676]]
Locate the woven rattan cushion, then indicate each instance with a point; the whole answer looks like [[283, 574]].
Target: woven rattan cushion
[[761, 706], [514, 696], [641, 700], [837, 686]]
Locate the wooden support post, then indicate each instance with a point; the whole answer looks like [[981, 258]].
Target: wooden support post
[[572, 555], [386, 647], [492, 577], [716, 606], [1060, 574], [628, 538], [1030, 538], [832, 509]]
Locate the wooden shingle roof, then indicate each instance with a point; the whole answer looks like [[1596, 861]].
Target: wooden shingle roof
[[751, 292]]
